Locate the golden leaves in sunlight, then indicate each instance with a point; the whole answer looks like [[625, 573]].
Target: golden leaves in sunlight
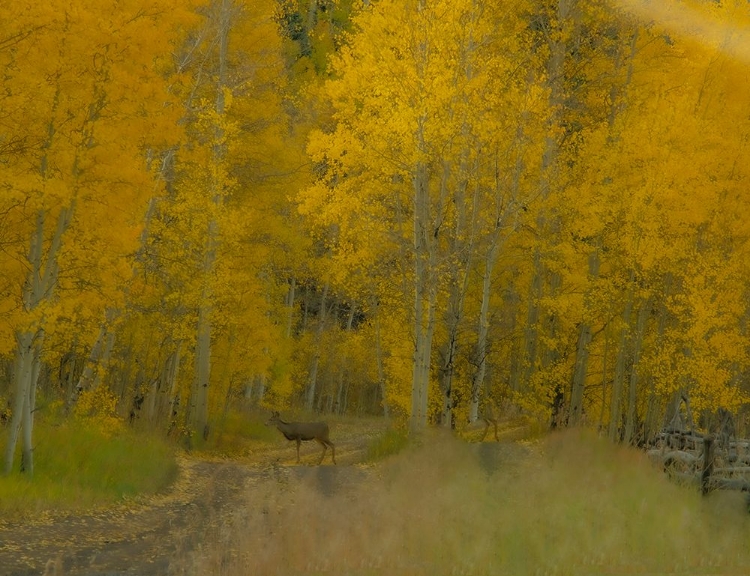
[[642, 178], [98, 407], [721, 26], [554, 195]]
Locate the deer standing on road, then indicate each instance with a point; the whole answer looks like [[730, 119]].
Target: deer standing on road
[[488, 416], [303, 431]]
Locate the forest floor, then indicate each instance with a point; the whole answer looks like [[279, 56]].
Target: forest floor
[[158, 535], [569, 503]]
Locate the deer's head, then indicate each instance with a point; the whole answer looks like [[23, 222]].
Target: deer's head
[[274, 419]]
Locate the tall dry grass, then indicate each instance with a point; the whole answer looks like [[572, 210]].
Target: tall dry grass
[[570, 504]]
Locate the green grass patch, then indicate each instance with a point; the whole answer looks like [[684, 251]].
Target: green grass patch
[[234, 434], [390, 442], [77, 465]]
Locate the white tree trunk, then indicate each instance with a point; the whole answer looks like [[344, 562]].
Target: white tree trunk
[[615, 408], [173, 394], [290, 307], [531, 330], [199, 402], [202, 371], [29, 405], [605, 369], [342, 368], [379, 362], [39, 287], [534, 352], [630, 422], [480, 353], [584, 336], [580, 369], [98, 359], [87, 375], [23, 371], [424, 301], [261, 388], [313, 376], [168, 387]]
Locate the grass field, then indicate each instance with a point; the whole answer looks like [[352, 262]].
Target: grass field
[[78, 466], [569, 504]]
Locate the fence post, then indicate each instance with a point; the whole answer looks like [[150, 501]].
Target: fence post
[[708, 464]]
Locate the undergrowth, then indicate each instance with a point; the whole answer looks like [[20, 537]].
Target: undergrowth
[[79, 464], [234, 434], [570, 504], [386, 444]]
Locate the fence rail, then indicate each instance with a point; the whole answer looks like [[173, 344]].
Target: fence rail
[[708, 461]]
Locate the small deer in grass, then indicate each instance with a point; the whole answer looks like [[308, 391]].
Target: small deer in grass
[[303, 431]]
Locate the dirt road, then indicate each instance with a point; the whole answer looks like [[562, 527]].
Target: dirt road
[[157, 536]]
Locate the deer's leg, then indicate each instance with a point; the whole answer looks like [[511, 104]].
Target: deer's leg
[[495, 424], [323, 455], [333, 451], [486, 427], [298, 443]]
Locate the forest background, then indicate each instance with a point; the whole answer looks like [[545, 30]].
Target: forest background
[[411, 208]]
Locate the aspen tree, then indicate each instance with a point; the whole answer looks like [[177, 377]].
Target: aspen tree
[[87, 119], [430, 162]]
